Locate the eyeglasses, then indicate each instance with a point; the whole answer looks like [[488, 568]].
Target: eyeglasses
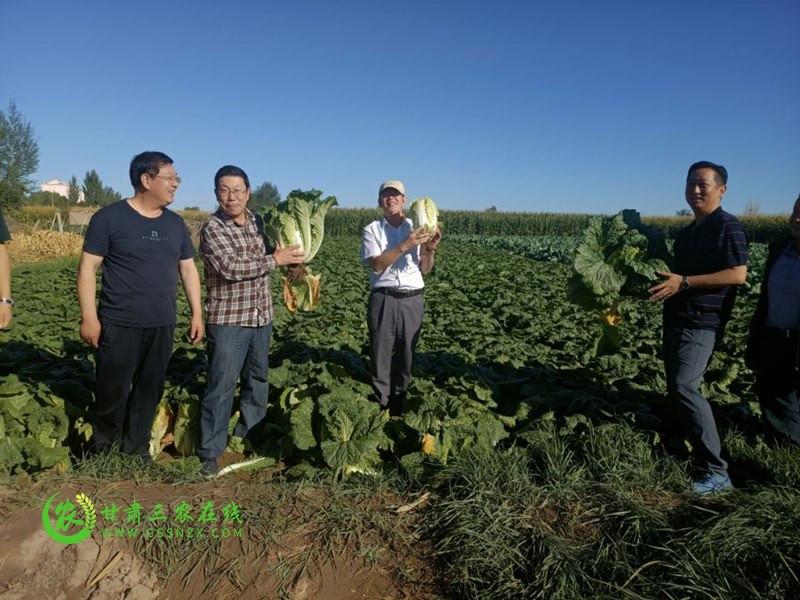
[[239, 192], [170, 180]]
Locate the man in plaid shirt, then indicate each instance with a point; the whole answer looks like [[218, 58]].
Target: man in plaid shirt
[[238, 313]]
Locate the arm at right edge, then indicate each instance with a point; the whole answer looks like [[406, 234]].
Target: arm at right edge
[[87, 292]]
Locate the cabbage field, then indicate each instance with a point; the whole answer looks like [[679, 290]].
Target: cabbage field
[[556, 473]]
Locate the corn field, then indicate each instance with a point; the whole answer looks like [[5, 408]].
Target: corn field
[[351, 221]]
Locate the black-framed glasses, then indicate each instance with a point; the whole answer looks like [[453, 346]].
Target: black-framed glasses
[[239, 192]]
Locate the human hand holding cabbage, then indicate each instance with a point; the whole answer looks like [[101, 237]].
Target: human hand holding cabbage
[[416, 238], [669, 287], [430, 245], [293, 255], [425, 218]]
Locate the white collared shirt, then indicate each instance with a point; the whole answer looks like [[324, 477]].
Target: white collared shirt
[[402, 274]]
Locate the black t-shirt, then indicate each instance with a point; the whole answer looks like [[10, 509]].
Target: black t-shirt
[[140, 264], [718, 243]]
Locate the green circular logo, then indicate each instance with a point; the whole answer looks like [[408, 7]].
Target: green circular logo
[[65, 512]]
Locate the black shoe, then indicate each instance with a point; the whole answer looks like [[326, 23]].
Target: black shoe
[[209, 468], [146, 459], [395, 404]]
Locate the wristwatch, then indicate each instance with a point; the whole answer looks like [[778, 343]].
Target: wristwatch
[[7, 301], [685, 284]]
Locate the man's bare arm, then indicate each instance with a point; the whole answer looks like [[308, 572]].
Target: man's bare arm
[[87, 293]]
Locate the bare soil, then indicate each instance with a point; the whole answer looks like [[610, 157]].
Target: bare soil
[[297, 543]]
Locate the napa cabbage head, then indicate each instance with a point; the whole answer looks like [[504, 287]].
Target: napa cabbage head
[[299, 220], [423, 213]]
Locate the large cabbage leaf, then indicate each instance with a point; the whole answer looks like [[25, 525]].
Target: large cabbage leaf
[[352, 431], [33, 428], [187, 425], [618, 257], [302, 294]]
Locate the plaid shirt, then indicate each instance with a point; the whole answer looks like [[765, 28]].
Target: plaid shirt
[[237, 270]]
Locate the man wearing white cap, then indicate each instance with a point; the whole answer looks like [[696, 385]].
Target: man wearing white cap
[[399, 257]]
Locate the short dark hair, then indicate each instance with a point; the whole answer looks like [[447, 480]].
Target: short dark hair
[[231, 171], [722, 172], [149, 163]]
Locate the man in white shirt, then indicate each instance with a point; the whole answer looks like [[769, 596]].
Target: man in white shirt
[[399, 257]]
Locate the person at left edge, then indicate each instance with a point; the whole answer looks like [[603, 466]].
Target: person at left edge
[[238, 315], [6, 302], [143, 248]]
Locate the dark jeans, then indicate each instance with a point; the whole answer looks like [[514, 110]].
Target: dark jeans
[[394, 328], [686, 356], [131, 367], [778, 384], [234, 353]]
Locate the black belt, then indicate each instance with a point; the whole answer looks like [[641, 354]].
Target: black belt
[[397, 293]]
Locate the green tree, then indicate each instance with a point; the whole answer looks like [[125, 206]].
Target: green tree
[[264, 196], [684, 212], [12, 194], [19, 155], [110, 196], [93, 189], [74, 191]]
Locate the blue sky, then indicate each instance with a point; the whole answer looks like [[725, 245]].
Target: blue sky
[[533, 106]]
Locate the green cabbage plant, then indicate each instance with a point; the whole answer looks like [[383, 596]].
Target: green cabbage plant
[[300, 219], [617, 258]]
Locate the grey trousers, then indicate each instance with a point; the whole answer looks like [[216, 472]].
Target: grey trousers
[[394, 328], [686, 356]]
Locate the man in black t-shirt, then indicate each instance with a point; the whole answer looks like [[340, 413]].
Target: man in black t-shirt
[[143, 247], [710, 261]]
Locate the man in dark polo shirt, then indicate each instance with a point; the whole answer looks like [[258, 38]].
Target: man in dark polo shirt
[[710, 261], [143, 248]]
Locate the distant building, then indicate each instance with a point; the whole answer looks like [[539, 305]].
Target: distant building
[[60, 187]]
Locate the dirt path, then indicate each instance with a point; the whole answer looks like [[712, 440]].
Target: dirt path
[[294, 542]]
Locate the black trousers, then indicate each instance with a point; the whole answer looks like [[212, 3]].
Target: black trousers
[[131, 367], [778, 384], [394, 327]]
